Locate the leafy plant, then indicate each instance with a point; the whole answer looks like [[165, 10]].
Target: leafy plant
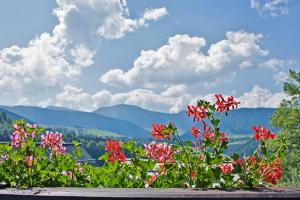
[[287, 118], [38, 158]]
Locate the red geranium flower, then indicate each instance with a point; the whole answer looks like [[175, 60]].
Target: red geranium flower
[[116, 156], [194, 174], [263, 132], [198, 113], [195, 131], [112, 146], [207, 132], [250, 160], [222, 137], [158, 132], [272, 172], [225, 105], [114, 149]]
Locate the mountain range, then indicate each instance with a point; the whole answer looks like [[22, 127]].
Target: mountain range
[[135, 122]]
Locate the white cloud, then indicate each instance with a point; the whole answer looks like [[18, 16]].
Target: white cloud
[[45, 103], [154, 14], [174, 91], [278, 64], [40, 68], [183, 61], [172, 100], [75, 98], [52, 60], [280, 77], [273, 8], [260, 97], [43, 72], [72, 96], [23, 101], [87, 20], [279, 68]]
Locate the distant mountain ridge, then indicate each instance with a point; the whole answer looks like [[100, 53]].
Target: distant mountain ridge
[[133, 121], [12, 115], [238, 121], [59, 108], [143, 117], [77, 119]]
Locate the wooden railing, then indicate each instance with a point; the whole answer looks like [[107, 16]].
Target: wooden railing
[[173, 193]]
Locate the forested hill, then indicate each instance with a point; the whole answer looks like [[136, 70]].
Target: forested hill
[[5, 127]]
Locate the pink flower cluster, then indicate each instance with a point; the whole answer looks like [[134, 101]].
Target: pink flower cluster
[[226, 168], [162, 153], [54, 142], [21, 133]]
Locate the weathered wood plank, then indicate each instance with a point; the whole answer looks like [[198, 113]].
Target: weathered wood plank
[[119, 193]]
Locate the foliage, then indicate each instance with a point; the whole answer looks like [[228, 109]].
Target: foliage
[[204, 164], [287, 118], [5, 127], [25, 162]]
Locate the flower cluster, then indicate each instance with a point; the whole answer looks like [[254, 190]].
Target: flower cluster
[[159, 131], [162, 153], [250, 159], [197, 112], [226, 168], [177, 164], [207, 132], [222, 137], [21, 133], [262, 132], [195, 131], [271, 172], [114, 150], [54, 142], [225, 105]]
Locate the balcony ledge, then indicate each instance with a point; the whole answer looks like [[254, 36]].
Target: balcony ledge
[[120, 193]]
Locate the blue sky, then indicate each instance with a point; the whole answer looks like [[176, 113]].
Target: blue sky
[[160, 55]]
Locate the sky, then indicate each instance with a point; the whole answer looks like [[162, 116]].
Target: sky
[[160, 55]]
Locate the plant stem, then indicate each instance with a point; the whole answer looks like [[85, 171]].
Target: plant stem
[[188, 158]]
